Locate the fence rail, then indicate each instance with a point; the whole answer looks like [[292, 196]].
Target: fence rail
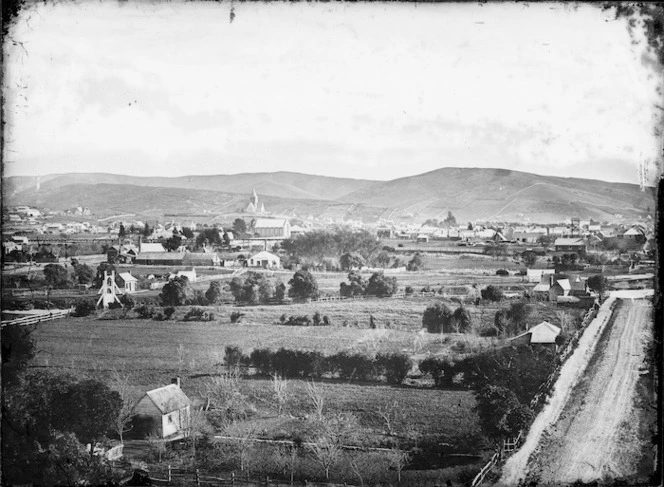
[[37, 318], [479, 478]]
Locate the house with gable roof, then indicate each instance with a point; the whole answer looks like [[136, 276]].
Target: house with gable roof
[[544, 334], [165, 411]]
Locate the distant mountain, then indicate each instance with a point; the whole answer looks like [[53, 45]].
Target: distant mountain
[[280, 184], [469, 193]]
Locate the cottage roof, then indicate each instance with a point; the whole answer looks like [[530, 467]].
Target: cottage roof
[[168, 398], [127, 277], [152, 247], [542, 286], [200, 256], [564, 284], [265, 256], [633, 231], [570, 241], [160, 256], [270, 223]]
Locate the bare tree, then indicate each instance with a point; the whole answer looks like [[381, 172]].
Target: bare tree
[[399, 459], [156, 442], [280, 392], [390, 414], [286, 460], [242, 435], [332, 432], [198, 426], [120, 383], [565, 320], [326, 451], [317, 399]]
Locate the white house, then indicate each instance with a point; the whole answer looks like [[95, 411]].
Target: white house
[[128, 282], [264, 259], [543, 334]]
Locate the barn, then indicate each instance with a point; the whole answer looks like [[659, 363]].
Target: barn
[[127, 282], [165, 411]]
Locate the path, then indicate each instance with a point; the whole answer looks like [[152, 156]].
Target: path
[[573, 433]]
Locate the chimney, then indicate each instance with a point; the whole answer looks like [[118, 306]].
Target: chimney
[[176, 381]]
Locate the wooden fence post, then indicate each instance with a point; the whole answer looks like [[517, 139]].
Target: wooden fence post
[[169, 474], [198, 478], [233, 477]]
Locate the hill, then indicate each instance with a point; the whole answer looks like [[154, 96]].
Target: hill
[[469, 193], [280, 184], [500, 194]]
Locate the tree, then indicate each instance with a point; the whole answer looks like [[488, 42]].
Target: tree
[[350, 261], [518, 315], [146, 230], [253, 289], [120, 384], [176, 292], [239, 226], [437, 318], [416, 263], [529, 258], [56, 275], [173, 243], [379, 285], [492, 293], [209, 236], [122, 233], [598, 283], [88, 409], [187, 232], [303, 286], [450, 221], [83, 273], [500, 412], [101, 268], [280, 291], [214, 292], [462, 320], [501, 321], [280, 392], [356, 285], [18, 348]]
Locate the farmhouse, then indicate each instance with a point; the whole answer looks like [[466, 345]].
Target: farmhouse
[[543, 334], [127, 282], [570, 245], [265, 260], [165, 411], [272, 227], [561, 287]]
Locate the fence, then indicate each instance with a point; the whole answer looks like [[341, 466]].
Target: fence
[[479, 478], [198, 477], [38, 318]]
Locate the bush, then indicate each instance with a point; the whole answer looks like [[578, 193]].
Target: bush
[[236, 316], [261, 359], [437, 318], [326, 321], [234, 356], [441, 371], [85, 308], [145, 311], [169, 311], [298, 321], [199, 314], [488, 331], [127, 301], [408, 290], [353, 366], [317, 319], [395, 366], [502, 272], [492, 293]]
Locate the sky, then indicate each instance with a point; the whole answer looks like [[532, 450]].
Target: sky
[[369, 91]]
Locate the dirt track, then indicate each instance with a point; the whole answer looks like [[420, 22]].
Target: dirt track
[[592, 439]]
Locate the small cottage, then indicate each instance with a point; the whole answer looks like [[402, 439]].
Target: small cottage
[[265, 260], [127, 282], [165, 411]]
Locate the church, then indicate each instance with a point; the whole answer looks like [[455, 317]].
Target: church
[[253, 206]]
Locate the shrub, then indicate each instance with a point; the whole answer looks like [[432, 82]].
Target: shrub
[[199, 314], [395, 366], [379, 285], [488, 331], [492, 293], [317, 319], [408, 290], [261, 359], [236, 316], [234, 356], [145, 311], [441, 371], [462, 319], [502, 272], [127, 301], [298, 321], [326, 321], [176, 292], [353, 366], [84, 308], [416, 263], [437, 318], [169, 311]]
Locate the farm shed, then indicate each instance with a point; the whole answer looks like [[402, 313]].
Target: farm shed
[[160, 258], [201, 258], [265, 260], [543, 334], [127, 282], [165, 411]]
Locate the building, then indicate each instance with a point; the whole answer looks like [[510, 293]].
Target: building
[[165, 411], [272, 227], [254, 206], [150, 247], [201, 259], [570, 245], [535, 275], [127, 282], [422, 238], [160, 258], [265, 260], [561, 287], [543, 334]]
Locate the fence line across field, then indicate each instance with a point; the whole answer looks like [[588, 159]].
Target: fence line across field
[[38, 318]]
